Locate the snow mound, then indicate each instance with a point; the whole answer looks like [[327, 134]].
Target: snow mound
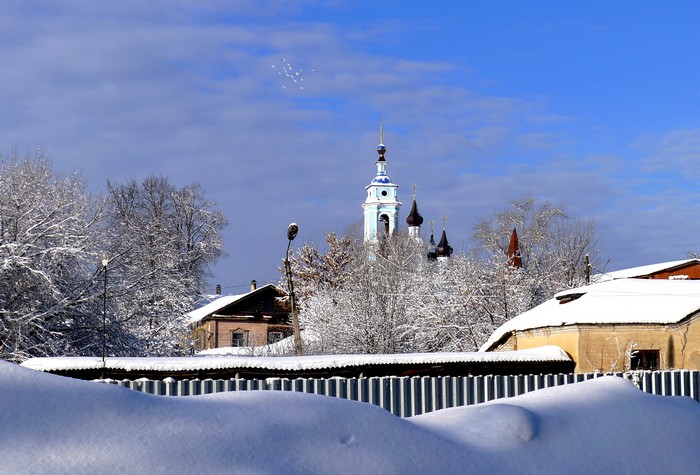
[[484, 425], [52, 424]]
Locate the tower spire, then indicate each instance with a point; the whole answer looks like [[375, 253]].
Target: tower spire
[[514, 259], [381, 130]]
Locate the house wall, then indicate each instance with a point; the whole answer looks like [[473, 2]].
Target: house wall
[[607, 347], [691, 270], [562, 337], [686, 344], [257, 332], [217, 333]]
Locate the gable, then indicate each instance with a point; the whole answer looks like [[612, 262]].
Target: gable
[[663, 270], [689, 270], [265, 301]]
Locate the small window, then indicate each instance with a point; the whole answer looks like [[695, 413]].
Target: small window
[[239, 338], [647, 360], [267, 303], [274, 337]]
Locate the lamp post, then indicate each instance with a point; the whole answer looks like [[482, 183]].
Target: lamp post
[[292, 231], [105, 261]]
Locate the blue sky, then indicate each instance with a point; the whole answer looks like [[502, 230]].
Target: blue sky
[[590, 104]]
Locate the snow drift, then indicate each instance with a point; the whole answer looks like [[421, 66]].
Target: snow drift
[[53, 424]]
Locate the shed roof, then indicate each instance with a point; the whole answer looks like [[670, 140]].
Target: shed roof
[[291, 363]]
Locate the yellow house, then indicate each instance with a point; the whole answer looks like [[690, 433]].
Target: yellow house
[[614, 325]]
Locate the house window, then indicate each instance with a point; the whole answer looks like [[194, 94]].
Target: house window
[[239, 338], [645, 360], [273, 337], [267, 304]]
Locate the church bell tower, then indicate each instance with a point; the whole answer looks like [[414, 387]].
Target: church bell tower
[[381, 207]]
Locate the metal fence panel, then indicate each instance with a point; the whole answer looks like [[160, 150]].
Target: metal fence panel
[[408, 396]]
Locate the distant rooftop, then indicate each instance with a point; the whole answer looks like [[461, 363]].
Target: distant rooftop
[[642, 271]]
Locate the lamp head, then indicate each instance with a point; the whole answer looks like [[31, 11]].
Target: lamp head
[[292, 231], [105, 259]]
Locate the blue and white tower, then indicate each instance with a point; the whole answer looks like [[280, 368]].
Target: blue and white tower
[[381, 207]]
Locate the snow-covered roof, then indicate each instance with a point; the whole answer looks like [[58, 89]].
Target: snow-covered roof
[[618, 301], [642, 270], [225, 300], [291, 363], [221, 302]]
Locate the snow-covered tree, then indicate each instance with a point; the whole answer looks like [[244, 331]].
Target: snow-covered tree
[[49, 262], [366, 312], [159, 240], [163, 240], [387, 297], [314, 270], [553, 246]]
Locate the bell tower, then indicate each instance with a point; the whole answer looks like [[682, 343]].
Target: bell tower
[[381, 206]]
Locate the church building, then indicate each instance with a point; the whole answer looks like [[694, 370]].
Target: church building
[[381, 209]]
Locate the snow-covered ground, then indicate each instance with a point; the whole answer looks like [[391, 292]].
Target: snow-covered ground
[[52, 424]]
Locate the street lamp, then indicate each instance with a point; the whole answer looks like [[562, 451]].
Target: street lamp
[[105, 261], [292, 231]]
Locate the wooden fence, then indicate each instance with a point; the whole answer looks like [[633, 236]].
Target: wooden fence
[[410, 396]]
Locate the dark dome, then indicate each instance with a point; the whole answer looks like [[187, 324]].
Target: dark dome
[[443, 248], [414, 218]]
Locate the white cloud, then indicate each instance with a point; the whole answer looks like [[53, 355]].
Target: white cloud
[[187, 91]]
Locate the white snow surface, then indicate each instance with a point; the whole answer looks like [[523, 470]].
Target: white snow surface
[[57, 425], [640, 271], [217, 304], [281, 363], [617, 301]]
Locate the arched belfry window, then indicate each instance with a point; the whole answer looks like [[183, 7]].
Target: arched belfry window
[[384, 219]]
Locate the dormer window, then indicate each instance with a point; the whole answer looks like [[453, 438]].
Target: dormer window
[[569, 298]]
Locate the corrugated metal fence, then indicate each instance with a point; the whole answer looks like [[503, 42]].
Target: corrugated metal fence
[[410, 396]]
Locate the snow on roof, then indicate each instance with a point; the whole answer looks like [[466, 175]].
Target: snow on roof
[[290, 363], [641, 270], [201, 312], [221, 302], [611, 302]]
